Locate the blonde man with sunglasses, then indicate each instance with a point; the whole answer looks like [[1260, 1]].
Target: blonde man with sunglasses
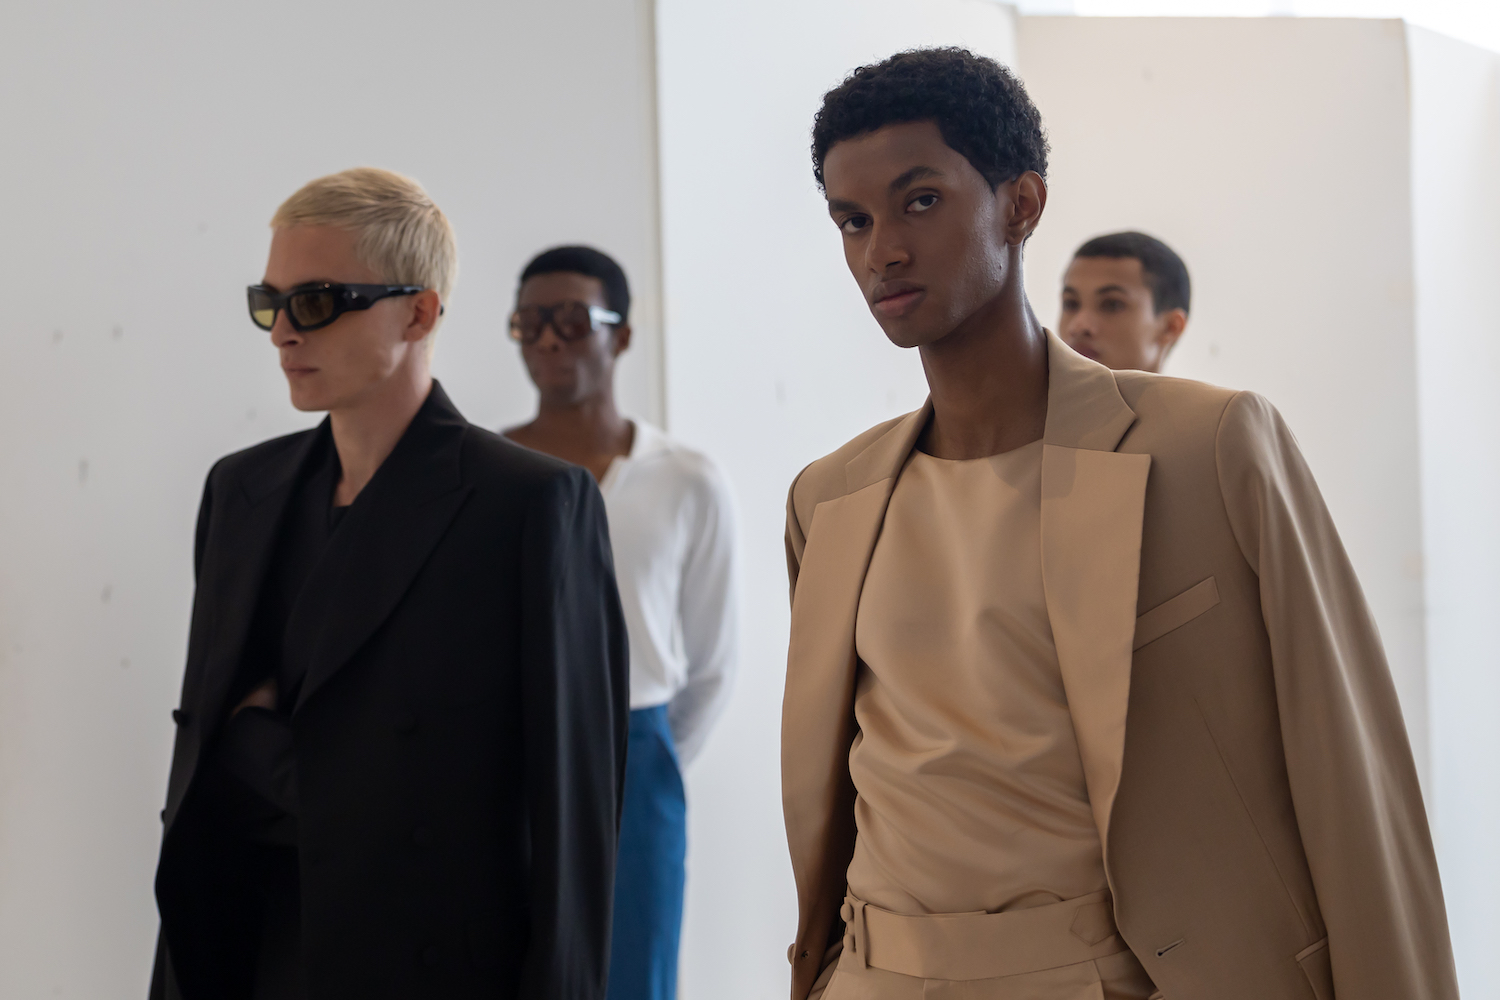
[[401, 739]]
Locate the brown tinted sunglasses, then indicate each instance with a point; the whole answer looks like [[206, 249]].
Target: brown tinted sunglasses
[[572, 321]]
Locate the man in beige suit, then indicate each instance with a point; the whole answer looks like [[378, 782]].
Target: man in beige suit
[[1083, 699]]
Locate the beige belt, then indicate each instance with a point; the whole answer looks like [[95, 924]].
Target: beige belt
[[981, 945]]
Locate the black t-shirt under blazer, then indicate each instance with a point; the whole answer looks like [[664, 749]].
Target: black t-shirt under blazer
[[458, 724]]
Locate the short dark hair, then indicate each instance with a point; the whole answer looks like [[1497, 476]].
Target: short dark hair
[[589, 262], [1164, 271], [981, 109]]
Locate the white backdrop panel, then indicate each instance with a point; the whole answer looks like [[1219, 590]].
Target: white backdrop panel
[[1455, 163]]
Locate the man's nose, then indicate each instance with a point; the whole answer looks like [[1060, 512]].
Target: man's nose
[[283, 334], [886, 250], [548, 338], [1079, 324]]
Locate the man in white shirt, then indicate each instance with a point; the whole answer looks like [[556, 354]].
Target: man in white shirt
[[671, 523]]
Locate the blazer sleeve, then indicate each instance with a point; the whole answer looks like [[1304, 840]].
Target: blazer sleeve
[[796, 545], [205, 517], [796, 538], [1354, 785], [575, 692]]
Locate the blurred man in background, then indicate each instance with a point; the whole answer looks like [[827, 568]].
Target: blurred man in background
[[401, 741], [1125, 301], [671, 524]]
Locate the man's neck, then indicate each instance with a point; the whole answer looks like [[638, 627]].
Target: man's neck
[[592, 424], [989, 382], [366, 432], [588, 432]]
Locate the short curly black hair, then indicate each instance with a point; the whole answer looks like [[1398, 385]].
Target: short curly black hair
[[590, 263], [981, 109], [1165, 273]]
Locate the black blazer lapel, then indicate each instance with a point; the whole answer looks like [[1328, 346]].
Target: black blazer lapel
[[385, 538], [234, 576]]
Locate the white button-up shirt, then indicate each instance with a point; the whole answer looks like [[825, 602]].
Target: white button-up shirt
[[671, 523]]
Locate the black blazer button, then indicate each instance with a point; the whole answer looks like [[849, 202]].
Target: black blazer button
[[181, 716], [421, 836], [163, 815], [431, 955]]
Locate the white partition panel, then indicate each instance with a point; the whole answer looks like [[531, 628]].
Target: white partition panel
[[772, 360], [1273, 155], [1455, 167], [145, 147]]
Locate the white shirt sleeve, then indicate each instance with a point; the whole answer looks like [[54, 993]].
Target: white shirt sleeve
[[709, 617]]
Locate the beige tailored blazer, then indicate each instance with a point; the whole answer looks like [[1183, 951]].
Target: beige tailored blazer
[[1246, 760]]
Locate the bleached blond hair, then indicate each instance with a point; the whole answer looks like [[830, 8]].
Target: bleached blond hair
[[401, 233]]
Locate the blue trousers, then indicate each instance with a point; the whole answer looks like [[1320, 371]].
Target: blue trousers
[[650, 873]]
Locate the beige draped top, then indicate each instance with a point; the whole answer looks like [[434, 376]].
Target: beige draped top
[[971, 791]]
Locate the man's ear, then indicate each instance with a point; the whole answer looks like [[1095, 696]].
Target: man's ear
[[1173, 323], [622, 339], [426, 308], [1028, 197]]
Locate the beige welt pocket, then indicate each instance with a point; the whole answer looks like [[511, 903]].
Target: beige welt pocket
[[1318, 968], [1175, 613]]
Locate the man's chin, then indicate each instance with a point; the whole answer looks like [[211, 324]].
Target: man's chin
[[1086, 351], [905, 333], [310, 402]]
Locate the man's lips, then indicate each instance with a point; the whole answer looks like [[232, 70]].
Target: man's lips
[[894, 299], [292, 370]]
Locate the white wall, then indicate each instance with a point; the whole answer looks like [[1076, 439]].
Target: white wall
[[1474, 21], [1456, 208], [146, 146], [772, 360], [1273, 155]]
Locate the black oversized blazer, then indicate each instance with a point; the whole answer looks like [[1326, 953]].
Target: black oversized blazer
[[460, 735]]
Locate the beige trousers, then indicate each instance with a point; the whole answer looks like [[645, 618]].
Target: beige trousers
[[1066, 951]]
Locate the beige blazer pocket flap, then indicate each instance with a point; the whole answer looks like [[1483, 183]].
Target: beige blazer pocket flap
[[1318, 967], [1175, 613]]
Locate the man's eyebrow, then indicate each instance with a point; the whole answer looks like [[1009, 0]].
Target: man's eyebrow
[[1112, 288], [914, 174], [840, 205]]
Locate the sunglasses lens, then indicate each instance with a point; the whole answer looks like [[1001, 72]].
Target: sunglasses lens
[[523, 325], [311, 309], [262, 312], [573, 321], [570, 321]]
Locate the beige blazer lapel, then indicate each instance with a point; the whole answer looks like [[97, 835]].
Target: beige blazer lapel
[[1093, 503], [818, 712]]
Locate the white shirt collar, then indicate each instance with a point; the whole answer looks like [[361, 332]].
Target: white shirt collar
[[645, 442]]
